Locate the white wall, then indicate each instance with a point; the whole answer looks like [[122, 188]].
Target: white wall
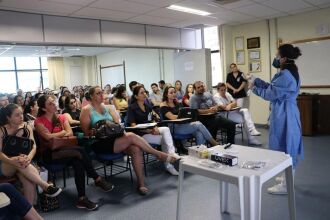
[[290, 28], [142, 65]]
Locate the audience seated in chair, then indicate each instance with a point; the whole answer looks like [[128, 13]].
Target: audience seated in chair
[[189, 92], [170, 110], [226, 102], [49, 125], [70, 111], [207, 109], [130, 143], [21, 166], [139, 113]]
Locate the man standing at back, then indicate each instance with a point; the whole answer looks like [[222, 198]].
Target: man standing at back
[[207, 109]]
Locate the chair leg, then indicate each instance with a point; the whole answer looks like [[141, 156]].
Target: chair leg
[[130, 169], [242, 132], [64, 178], [111, 163], [105, 170], [144, 164]]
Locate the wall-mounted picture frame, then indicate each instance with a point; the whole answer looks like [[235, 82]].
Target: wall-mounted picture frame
[[254, 54], [255, 66], [253, 43], [239, 43], [240, 57]]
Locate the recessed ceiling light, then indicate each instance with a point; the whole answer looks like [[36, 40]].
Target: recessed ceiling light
[[73, 49], [188, 10]]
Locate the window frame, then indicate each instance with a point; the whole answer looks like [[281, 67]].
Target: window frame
[[16, 70]]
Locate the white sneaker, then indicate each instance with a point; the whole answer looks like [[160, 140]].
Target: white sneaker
[[254, 132], [278, 189], [172, 171], [280, 179], [254, 141]]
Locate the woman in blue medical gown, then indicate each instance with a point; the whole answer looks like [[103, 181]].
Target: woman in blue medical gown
[[285, 127]]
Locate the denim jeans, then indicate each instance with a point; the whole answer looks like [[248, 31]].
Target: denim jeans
[[196, 128]]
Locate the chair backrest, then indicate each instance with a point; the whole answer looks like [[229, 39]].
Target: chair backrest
[[186, 112]]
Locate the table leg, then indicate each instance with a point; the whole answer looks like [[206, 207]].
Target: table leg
[[223, 197], [250, 198], [291, 193], [179, 200]]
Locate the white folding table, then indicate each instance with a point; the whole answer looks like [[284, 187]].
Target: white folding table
[[248, 181]]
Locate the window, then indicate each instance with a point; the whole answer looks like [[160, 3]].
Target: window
[[26, 73], [211, 41], [7, 82]]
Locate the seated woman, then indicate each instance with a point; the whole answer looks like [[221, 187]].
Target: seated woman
[[129, 143], [139, 113], [170, 109], [179, 91], [70, 111], [19, 207], [226, 102], [189, 92], [120, 99], [50, 125], [21, 165], [30, 112]]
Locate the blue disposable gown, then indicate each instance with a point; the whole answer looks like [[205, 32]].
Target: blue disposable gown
[[285, 127]]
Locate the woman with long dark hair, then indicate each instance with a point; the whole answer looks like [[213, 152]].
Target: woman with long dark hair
[[49, 125], [179, 91], [138, 113], [120, 99], [170, 109], [189, 92], [129, 143], [70, 111], [285, 127], [21, 166]]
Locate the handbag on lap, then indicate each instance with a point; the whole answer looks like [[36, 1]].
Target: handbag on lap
[[57, 143], [14, 145], [107, 129]]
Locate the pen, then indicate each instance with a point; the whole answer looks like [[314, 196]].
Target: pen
[[226, 146]]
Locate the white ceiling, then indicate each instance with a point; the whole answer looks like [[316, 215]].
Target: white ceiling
[[149, 12], [51, 51], [155, 11]]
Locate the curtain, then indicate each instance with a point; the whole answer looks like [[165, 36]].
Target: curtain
[[55, 72]]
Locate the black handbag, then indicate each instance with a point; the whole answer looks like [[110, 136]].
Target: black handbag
[[48, 204], [14, 145], [107, 129]]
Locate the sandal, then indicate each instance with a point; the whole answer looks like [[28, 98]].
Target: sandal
[[143, 190]]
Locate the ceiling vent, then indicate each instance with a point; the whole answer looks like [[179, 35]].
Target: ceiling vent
[[224, 2]]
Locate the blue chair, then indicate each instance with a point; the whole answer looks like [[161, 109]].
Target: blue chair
[[53, 168], [109, 159]]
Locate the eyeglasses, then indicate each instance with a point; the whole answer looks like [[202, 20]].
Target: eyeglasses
[[198, 87], [99, 93]]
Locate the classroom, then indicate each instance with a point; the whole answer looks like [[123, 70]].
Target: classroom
[[127, 106]]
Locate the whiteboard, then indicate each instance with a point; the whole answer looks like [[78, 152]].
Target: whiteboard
[[314, 64], [191, 66], [113, 75]]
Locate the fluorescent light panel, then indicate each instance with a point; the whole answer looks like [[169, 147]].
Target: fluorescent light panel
[[188, 10]]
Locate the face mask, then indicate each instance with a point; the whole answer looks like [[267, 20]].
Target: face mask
[[276, 63]]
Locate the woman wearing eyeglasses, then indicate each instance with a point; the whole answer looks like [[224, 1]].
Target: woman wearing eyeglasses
[[50, 125]]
